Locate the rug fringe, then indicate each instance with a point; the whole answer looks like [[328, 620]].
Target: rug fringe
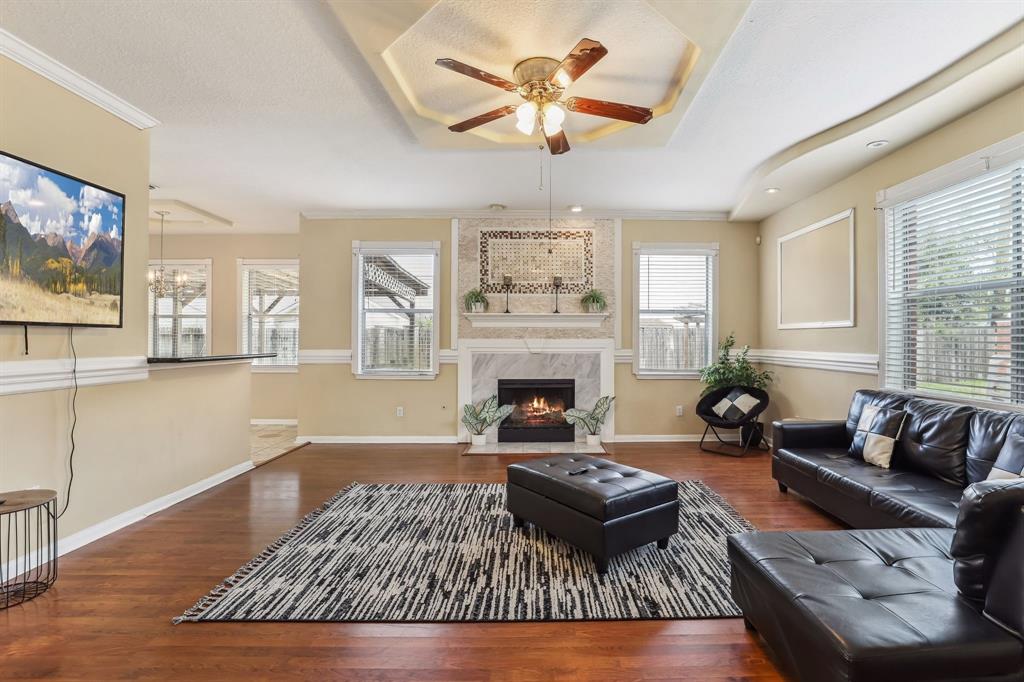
[[194, 613], [721, 501]]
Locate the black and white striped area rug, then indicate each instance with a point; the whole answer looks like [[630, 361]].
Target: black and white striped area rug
[[449, 552]]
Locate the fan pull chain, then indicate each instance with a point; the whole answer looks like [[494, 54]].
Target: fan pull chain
[[540, 149]]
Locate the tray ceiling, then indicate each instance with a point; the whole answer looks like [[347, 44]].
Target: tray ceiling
[[654, 51]]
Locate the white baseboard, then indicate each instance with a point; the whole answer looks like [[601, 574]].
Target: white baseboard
[[273, 422], [116, 523], [669, 438], [376, 439]]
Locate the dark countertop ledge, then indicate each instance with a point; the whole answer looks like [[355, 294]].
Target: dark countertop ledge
[[194, 359]]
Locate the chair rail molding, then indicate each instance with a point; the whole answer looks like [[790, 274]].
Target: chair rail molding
[[343, 356], [854, 363], [30, 376]]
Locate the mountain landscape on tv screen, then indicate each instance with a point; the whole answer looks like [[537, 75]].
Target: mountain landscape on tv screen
[[60, 248]]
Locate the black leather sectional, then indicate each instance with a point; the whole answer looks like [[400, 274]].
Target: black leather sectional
[[931, 584]]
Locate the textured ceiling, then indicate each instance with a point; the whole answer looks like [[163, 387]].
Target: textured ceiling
[[269, 109], [646, 56]]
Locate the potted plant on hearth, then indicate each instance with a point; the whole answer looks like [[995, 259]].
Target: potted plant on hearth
[[591, 420], [478, 418], [734, 370], [593, 301], [475, 301]]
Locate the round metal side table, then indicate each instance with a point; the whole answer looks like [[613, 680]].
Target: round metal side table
[[28, 544]]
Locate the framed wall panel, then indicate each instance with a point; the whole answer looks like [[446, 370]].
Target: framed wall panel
[[816, 275]]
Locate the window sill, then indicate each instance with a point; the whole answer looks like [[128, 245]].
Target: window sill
[[275, 369], [687, 375], [431, 376]]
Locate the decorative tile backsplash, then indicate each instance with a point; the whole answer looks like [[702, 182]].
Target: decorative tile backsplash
[[533, 258], [533, 252]]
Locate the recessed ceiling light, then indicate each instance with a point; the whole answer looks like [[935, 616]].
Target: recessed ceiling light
[[576, 208], [772, 190], [497, 207], [876, 144]]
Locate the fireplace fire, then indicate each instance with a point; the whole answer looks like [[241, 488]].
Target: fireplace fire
[[539, 413]]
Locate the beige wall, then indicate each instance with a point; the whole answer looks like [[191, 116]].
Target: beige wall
[[273, 395], [332, 402], [135, 441], [647, 406], [826, 394]]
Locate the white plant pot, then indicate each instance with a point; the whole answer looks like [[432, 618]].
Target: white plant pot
[[477, 307], [593, 308], [478, 439], [593, 439]]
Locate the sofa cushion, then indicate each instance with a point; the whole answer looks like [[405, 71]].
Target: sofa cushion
[[989, 429], [1010, 462], [988, 511], [934, 439], [877, 432], [864, 397], [877, 604], [808, 460], [934, 504]]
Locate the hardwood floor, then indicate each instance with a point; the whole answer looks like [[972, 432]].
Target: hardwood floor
[[109, 615]]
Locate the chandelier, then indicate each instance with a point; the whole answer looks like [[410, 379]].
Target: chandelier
[[159, 283]]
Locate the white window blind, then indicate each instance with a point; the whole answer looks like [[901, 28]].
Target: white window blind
[[179, 323], [396, 306], [954, 290], [270, 311], [674, 307]]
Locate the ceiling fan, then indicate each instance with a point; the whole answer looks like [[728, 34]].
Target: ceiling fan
[[542, 81]]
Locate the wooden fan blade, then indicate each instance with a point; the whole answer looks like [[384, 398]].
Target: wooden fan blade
[[586, 53], [482, 119], [473, 72], [599, 107], [557, 144]]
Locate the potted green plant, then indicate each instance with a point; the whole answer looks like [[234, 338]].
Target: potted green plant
[[475, 301], [591, 420], [731, 370], [478, 418], [593, 301]]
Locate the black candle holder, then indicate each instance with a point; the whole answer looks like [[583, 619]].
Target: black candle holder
[[557, 282], [506, 281]]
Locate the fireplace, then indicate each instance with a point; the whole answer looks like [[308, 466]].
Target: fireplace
[[539, 407]]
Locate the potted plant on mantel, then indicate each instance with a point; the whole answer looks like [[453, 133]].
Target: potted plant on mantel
[[475, 301], [593, 301], [591, 420], [478, 418], [730, 372]]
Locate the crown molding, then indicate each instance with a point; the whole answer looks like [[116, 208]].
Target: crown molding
[[18, 50], [449, 213]]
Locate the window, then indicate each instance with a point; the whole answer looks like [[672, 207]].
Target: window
[[179, 323], [395, 308], [674, 295], [954, 289], [270, 311]]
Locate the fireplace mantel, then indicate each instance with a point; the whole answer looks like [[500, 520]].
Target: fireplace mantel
[[536, 320]]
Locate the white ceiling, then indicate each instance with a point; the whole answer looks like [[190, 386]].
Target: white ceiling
[[269, 110]]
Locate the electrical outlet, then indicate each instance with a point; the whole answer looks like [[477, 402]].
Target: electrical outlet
[[399, 411], [679, 410]]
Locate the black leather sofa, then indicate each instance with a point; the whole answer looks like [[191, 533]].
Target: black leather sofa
[[930, 586], [923, 604], [943, 448]]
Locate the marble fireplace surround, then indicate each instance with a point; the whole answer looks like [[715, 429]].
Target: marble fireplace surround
[[590, 362]]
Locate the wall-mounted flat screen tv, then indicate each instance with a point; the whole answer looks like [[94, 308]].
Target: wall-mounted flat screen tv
[[61, 248]]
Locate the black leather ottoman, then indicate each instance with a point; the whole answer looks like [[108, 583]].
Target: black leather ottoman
[[601, 507]]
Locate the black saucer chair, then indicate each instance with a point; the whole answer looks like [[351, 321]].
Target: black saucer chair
[[739, 413]]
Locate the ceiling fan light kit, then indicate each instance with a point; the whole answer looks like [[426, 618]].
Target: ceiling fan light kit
[[542, 81]]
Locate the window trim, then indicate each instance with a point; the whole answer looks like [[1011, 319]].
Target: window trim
[[243, 264], [955, 172], [193, 262], [710, 249], [391, 248]]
